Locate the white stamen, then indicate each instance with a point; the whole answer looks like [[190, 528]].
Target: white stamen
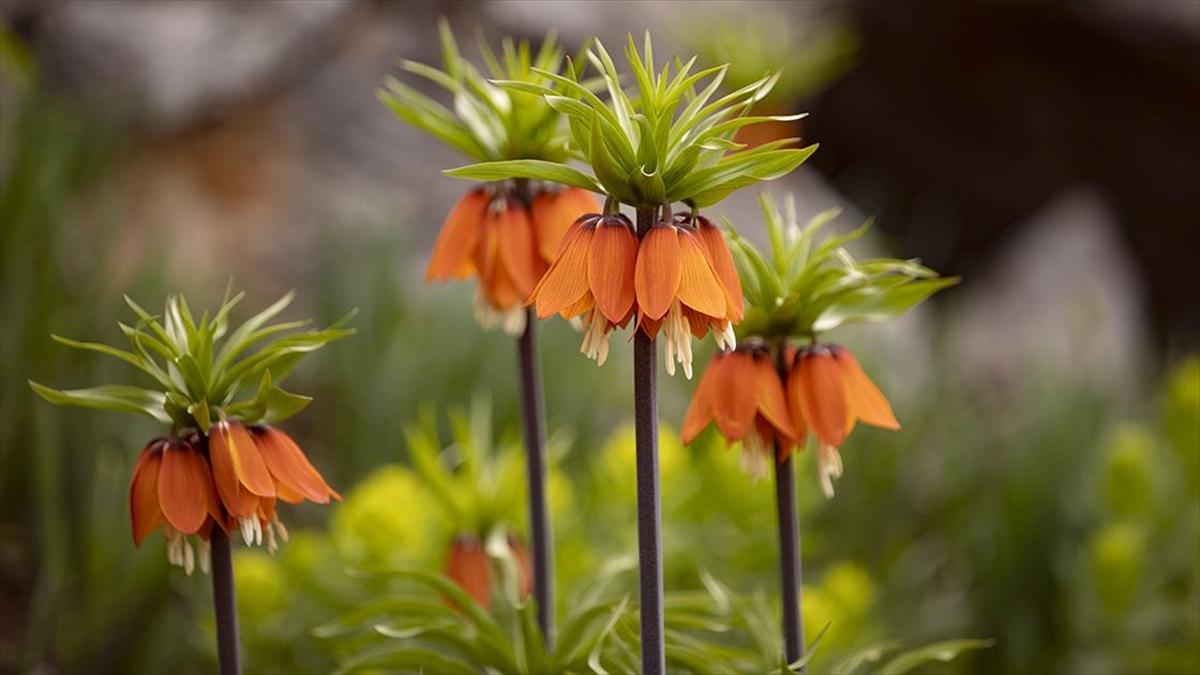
[[595, 339], [283, 533], [725, 338], [247, 525], [677, 339], [829, 465], [205, 556], [754, 457], [272, 545], [257, 532], [511, 321], [189, 558]]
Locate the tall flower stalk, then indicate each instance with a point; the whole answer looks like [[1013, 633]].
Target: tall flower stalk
[[667, 141], [505, 232], [222, 466], [781, 385]]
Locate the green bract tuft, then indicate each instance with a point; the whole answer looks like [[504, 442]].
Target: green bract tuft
[[199, 368], [486, 122], [809, 285], [669, 139]]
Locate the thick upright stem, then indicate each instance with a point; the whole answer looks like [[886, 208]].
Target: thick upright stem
[[789, 544], [645, 399], [535, 466], [224, 604]]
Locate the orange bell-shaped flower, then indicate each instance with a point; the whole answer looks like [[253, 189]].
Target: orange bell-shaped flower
[[740, 391], [828, 392], [679, 291]]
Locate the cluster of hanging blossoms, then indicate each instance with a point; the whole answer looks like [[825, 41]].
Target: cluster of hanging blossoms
[[670, 140], [781, 385], [223, 464], [505, 232]]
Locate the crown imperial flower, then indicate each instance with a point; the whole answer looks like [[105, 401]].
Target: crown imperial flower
[[741, 393], [211, 473]]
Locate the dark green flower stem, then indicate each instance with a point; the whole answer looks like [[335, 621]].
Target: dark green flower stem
[[649, 515], [533, 418], [224, 604], [789, 542], [541, 547]]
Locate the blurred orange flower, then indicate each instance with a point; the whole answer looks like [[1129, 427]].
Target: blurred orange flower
[[491, 234], [828, 392], [741, 392], [467, 565]]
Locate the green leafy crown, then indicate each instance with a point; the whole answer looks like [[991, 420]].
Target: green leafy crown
[[805, 287], [669, 140], [199, 369], [487, 122]]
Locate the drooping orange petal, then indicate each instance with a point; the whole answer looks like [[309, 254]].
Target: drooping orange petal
[[566, 281], [649, 326], [771, 400], [699, 287], [658, 271], [144, 511], [467, 566], [863, 398], [515, 234], [502, 291], [182, 492], [238, 468], [584, 304], [458, 238], [699, 412], [822, 395], [611, 263], [734, 399], [722, 262], [289, 466], [699, 324], [553, 214]]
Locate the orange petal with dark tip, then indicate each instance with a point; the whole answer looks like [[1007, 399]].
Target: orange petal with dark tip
[[733, 403], [699, 412], [182, 492], [517, 248], [566, 281], [658, 271], [722, 262], [822, 398], [771, 399], [699, 287], [863, 398], [452, 252], [553, 214], [611, 263], [144, 511], [289, 466]]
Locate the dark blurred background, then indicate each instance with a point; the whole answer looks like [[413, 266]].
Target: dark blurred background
[[1045, 491]]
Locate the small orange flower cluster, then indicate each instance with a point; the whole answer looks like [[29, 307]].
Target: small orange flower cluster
[[231, 479], [679, 278], [467, 565], [827, 393], [493, 235]]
